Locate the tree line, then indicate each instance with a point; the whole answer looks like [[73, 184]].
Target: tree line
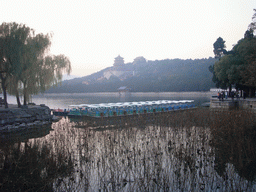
[[26, 66], [237, 67]]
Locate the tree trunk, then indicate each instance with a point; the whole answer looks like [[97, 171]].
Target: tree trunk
[[3, 81], [25, 93], [25, 98], [229, 90], [18, 99], [17, 95], [5, 97]]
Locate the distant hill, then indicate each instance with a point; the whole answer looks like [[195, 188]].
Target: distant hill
[[145, 76]]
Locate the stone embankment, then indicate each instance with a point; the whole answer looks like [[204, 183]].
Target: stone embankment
[[248, 103], [15, 119]]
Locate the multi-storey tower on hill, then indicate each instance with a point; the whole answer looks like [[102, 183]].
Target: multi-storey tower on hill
[[119, 69], [119, 61]]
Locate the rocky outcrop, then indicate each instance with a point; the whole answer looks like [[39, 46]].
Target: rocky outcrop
[[15, 118]]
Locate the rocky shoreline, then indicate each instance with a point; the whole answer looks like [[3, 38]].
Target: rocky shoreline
[[16, 119]]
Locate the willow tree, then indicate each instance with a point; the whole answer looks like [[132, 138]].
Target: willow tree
[[12, 38], [34, 50], [40, 70], [44, 73], [26, 67]]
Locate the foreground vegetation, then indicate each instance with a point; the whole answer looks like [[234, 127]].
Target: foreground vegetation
[[182, 151]]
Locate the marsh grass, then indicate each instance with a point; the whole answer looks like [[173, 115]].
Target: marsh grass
[[193, 150]]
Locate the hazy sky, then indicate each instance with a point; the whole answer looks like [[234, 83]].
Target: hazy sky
[[93, 32]]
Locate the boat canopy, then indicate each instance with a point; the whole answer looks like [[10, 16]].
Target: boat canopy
[[112, 109], [131, 104]]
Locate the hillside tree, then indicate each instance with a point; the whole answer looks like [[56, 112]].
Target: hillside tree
[[219, 51], [238, 68], [252, 25], [219, 48]]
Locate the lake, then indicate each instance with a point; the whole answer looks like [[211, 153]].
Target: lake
[[63, 100], [193, 150]]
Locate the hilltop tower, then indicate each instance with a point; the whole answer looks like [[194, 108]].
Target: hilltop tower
[[119, 69], [119, 61]]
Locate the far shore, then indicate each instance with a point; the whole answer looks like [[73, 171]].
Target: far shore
[[137, 93]]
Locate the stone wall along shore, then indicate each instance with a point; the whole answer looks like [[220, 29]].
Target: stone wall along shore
[[15, 118]]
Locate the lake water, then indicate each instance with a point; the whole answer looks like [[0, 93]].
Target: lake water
[[63, 100], [194, 150]]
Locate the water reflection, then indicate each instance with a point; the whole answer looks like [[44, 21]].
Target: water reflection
[[63, 100], [183, 151], [25, 134], [32, 167], [234, 140]]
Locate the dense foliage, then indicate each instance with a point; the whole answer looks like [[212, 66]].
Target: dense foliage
[[238, 66], [25, 66], [147, 76]]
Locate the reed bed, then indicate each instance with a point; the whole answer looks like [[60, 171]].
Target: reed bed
[[181, 151]]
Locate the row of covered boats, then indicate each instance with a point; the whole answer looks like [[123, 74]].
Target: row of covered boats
[[125, 108]]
